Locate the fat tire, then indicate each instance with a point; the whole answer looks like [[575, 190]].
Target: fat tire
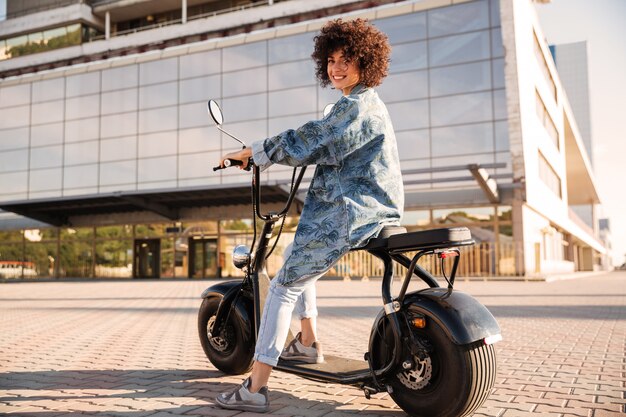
[[462, 375], [235, 360]]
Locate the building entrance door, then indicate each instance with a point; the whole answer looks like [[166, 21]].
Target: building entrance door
[[202, 258], [147, 258]]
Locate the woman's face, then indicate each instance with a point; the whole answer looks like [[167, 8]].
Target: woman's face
[[344, 74]]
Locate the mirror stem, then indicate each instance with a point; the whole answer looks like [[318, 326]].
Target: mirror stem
[[222, 130]]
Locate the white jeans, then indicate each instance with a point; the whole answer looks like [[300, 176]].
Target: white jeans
[[280, 303]]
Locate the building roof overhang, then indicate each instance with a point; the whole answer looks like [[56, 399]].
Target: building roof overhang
[[581, 184], [167, 204]]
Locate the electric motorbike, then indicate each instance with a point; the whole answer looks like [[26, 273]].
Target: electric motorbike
[[430, 349]]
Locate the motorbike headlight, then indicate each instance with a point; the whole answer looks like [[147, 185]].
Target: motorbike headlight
[[241, 256]]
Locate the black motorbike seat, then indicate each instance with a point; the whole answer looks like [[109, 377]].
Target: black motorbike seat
[[396, 238]]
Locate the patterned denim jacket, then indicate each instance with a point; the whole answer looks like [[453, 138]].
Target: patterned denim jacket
[[357, 185]]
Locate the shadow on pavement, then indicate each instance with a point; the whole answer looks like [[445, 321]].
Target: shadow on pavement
[[142, 392]]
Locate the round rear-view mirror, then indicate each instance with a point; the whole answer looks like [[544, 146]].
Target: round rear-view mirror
[[215, 112]]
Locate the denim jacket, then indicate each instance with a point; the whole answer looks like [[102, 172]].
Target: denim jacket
[[357, 185]]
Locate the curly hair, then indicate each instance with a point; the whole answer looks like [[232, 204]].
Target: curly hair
[[360, 42]]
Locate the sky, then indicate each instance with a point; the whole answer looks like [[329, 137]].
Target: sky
[[602, 23]]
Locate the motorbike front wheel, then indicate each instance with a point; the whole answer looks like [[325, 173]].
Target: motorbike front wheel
[[450, 381], [231, 351]]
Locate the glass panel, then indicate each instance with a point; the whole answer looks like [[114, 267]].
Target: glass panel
[[505, 213], [464, 108], [118, 173], [83, 129], [14, 182], [463, 215], [114, 259], [167, 258], [114, 232], [416, 218], [158, 71], [80, 107], [51, 111], [14, 160], [475, 138], [497, 49], [244, 82], [40, 260], [119, 101], [502, 136], [75, 259], [459, 48], [239, 225], [151, 230], [118, 125], [12, 117], [157, 169], [244, 56], [201, 139], [413, 144], [45, 180], [81, 153], [498, 73], [499, 105], [10, 236], [408, 56], [158, 120], [158, 95], [45, 157], [292, 74], [459, 18], [404, 86], [76, 233], [82, 84], [157, 144], [81, 176], [495, 12], [52, 89], [118, 78], [460, 78], [195, 115], [290, 48], [118, 149], [197, 165], [199, 89], [299, 100], [14, 138], [15, 95], [410, 115], [202, 63], [410, 27], [244, 108]]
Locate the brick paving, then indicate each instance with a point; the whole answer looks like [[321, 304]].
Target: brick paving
[[130, 348]]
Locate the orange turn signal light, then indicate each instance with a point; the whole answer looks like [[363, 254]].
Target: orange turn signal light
[[419, 322]]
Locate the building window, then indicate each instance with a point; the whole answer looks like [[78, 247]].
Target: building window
[[546, 119], [543, 66], [46, 40], [549, 176]]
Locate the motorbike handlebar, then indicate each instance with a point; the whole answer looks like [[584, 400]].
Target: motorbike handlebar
[[234, 162]]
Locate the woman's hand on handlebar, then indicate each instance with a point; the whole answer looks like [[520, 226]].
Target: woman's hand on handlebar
[[242, 156]]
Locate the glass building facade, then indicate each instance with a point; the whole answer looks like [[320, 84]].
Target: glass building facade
[[139, 124]]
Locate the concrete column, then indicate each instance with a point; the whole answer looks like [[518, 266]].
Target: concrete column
[[107, 25], [184, 12]]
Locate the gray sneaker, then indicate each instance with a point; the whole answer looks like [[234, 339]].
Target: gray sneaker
[[296, 351], [244, 400]]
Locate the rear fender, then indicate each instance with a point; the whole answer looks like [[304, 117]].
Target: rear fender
[[460, 315]]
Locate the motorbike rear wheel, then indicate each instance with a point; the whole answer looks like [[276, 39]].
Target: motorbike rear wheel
[[230, 352], [451, 381]]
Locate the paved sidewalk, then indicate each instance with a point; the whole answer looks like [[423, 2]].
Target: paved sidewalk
[[131, 349]]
